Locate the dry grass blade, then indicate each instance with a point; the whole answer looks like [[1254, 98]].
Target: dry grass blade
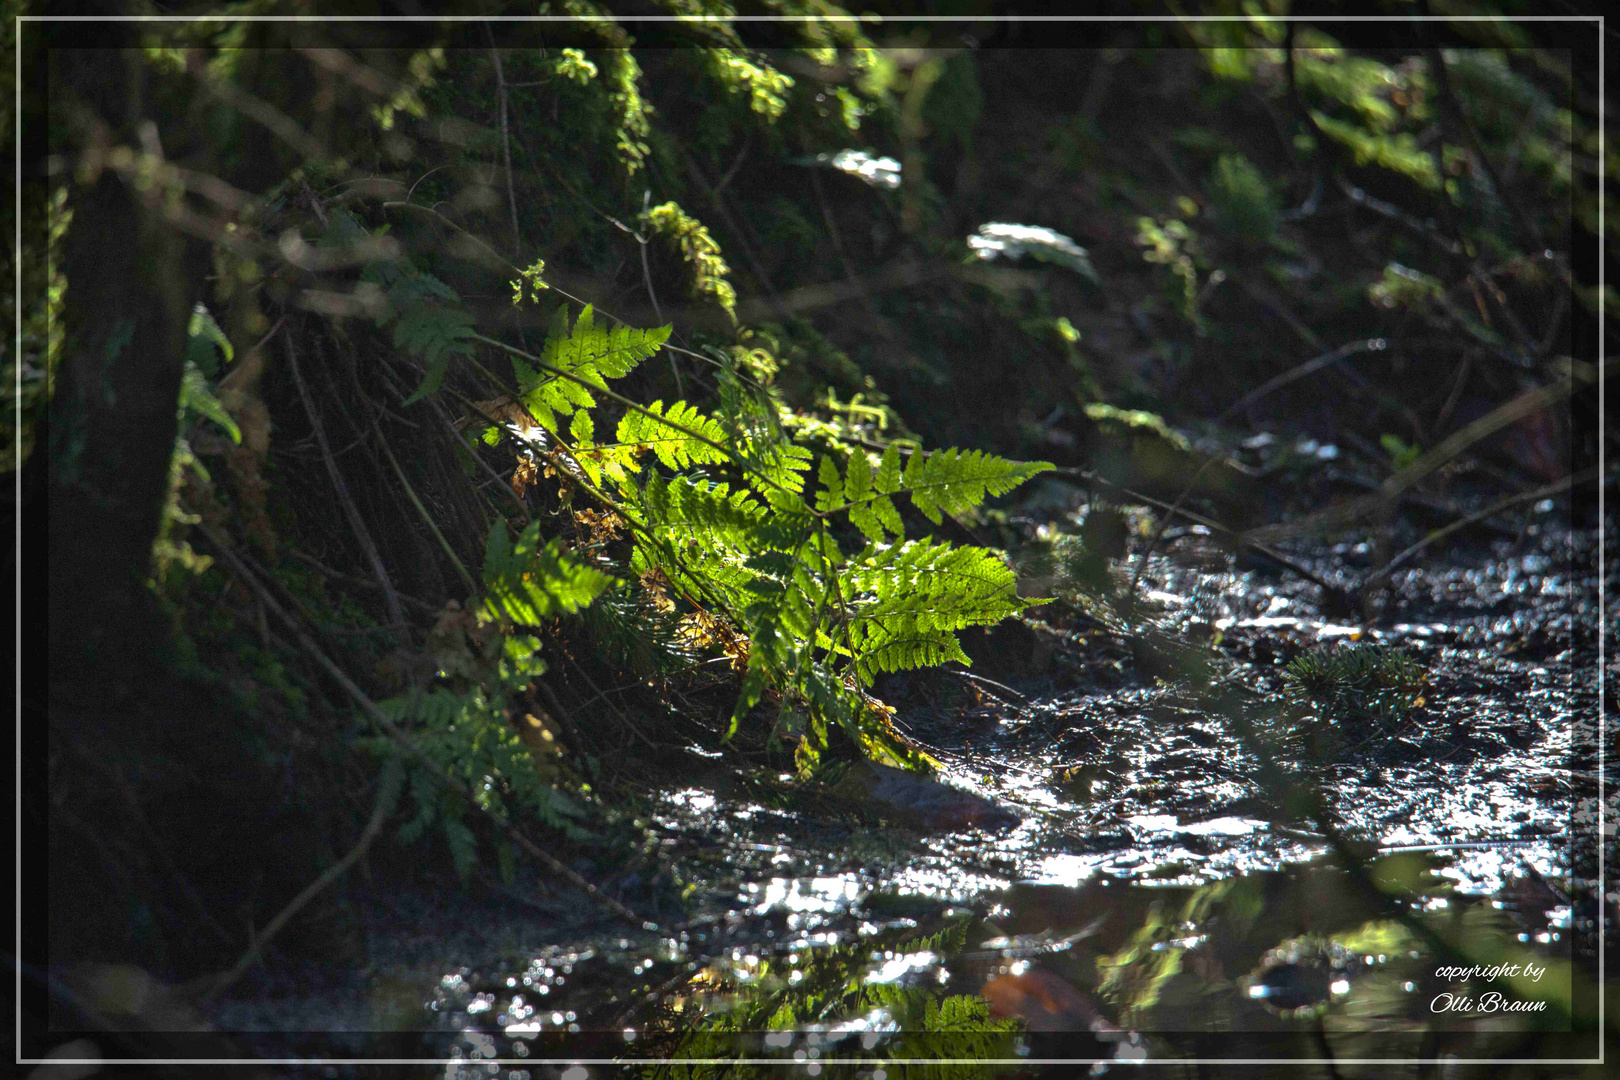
[[396, 614], [1240, 538], [427, 518], [1346, 515], [1546, 492], [394, 732]]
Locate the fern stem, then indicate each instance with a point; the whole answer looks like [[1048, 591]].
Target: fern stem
[[472, 586], [1582, 477], [624, 718], [848, 626]]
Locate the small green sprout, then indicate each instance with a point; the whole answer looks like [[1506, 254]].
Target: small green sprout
[[531, 278], [1356, 683]]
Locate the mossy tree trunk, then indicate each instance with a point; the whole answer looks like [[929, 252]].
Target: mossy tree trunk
[[131, 287]]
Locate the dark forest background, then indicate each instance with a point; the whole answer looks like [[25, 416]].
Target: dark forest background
[[305, 565]]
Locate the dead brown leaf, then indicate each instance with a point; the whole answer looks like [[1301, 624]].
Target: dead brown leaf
[[526, 473], [703, 630], [601, 526], [505, 410]]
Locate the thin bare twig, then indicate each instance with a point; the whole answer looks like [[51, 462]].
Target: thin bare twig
[[1299, 372], [379, 814], [646, 276], [506, 142], [1449, 102], [1455, 395], [1378, 206], [736, 230], [735, 165], [999, 689], [496, 260], [646, 267], [315, 204], [395, 733], [623, 718], [837, 239], [1296, 373], [338, 575], [1266, 298], [652, 294], [396, 613], [556, 174], [444, 418], [896, 275], [421, 178], [1545, 492], [1512, 411], [1238, 537], [461, 568]]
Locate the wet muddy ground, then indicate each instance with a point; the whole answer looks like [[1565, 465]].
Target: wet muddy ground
[[1114, 864]]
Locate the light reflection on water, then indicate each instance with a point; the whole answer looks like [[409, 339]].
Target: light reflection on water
[[807, 894], [1212, 916], [1274, 951]]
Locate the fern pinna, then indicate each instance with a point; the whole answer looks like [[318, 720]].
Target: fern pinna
[[427, 318], [487, 660], [720, 508]]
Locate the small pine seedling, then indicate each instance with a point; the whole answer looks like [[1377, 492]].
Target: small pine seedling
[[1356, 683]]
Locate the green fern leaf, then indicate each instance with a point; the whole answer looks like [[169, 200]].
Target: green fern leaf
[[701, 508], [429, 323], [582, 429], [195, 396], [858, 490], [203, 335], [952, 482], [528, 585], [946, 481], [888, 474], [831, 495], [675, 448], [911, 597], [595, 354], [906, 653], [756, 438], [585, 354]]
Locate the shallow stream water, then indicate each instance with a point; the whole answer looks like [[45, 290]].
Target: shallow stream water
[[1121, 878]]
